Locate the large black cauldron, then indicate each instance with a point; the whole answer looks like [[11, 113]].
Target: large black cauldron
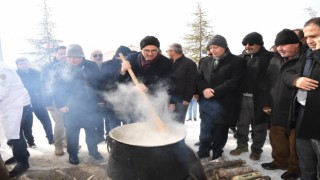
[[163, 158]]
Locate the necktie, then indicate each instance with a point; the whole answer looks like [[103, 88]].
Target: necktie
[[215, 63], [302, 94]]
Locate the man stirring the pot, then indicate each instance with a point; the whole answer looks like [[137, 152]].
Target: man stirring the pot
[[151, 68]]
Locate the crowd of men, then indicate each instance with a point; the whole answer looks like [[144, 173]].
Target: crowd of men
[[265, 90]]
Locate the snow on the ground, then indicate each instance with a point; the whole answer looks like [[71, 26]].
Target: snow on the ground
[[43, 158], [193, 130]]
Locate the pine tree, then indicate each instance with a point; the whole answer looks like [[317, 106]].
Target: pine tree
[[45, 45], [202, 32], [312, 13]]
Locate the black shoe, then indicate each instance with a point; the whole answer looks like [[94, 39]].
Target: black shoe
[[19, 169], [290, 175], [195, 119], [270, 166], [73, 160], [235, 136], [197, 143], [32, 145], [189, 119], [51, 141], [11, 160], [97, 156]]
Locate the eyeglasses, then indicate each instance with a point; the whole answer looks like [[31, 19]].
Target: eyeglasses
[[153, 51], [97, 55], [250, 44]]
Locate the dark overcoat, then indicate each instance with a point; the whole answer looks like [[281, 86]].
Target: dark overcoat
[[225, 79]]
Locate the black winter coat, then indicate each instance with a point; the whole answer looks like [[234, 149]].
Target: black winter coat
[[280, 94], [77, 87], [157, 75], [310, 124], [256, 70], [31, 81], [225, 79], [109, 73], [184, 79]]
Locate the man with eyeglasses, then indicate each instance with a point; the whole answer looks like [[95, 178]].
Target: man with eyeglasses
[[152, 69], [253, 98], [97, 57], [184, 81]]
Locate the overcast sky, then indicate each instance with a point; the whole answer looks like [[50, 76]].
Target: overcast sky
[[106, 24]]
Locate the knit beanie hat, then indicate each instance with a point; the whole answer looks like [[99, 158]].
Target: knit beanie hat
[[218, 40], [149, 40], [286, 36], [75, 50], [253, 38], [124, 50]]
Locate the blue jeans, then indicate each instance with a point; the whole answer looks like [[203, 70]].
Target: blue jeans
[[180, 112], [192, 109]]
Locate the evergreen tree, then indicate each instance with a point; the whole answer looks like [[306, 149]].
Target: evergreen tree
[[44, 46], [312, 13], [201, 33]]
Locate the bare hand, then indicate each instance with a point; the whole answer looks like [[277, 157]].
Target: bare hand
[[208, 93], [267, 110], [185, 103], [196, 96], [125, 66], [50, 108], [172, 107], [64, 109], [305, 83], [141, 87]]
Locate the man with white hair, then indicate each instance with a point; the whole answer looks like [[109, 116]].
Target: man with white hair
[[184, 81]]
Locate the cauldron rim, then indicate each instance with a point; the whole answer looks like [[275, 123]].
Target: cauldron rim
[[114, 130]]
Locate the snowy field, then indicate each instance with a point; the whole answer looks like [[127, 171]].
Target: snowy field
[[43, 158]]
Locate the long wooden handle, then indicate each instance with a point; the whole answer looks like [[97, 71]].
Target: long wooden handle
[[154, 114]]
